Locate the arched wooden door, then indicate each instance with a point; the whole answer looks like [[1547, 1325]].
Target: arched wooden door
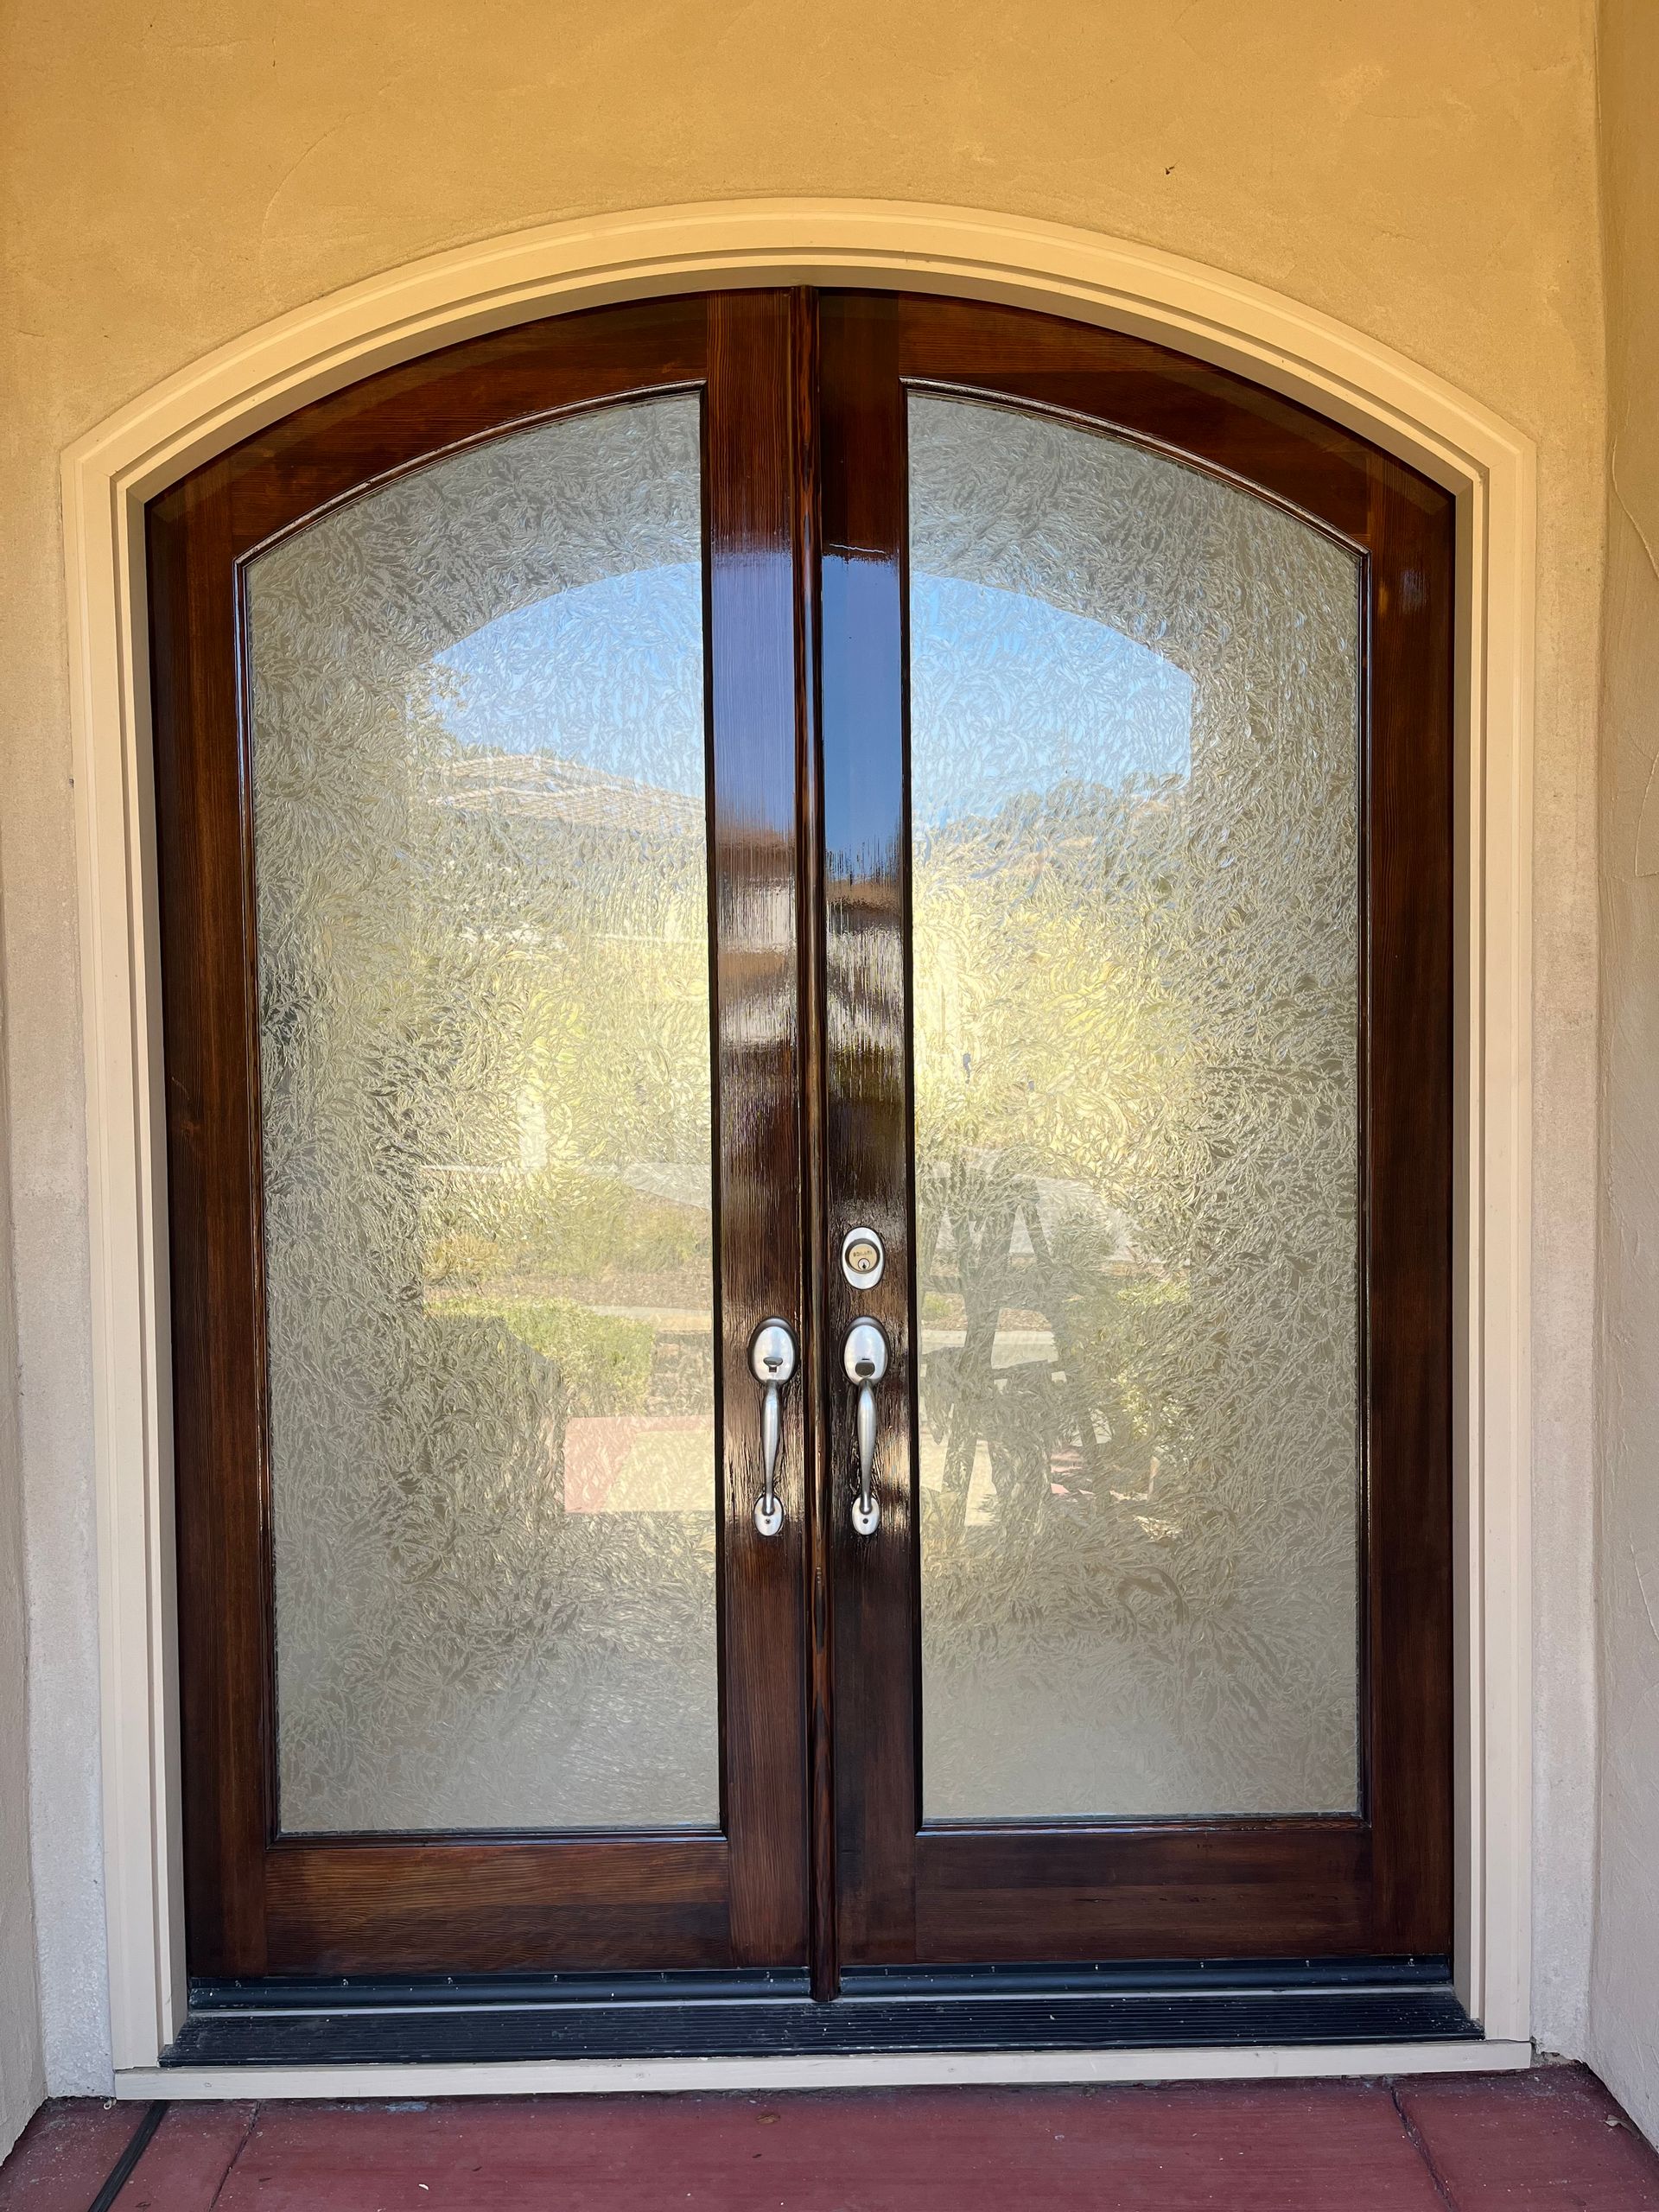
[[807, 958]]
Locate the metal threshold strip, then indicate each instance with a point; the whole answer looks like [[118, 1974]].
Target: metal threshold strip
[[1152, 2007]]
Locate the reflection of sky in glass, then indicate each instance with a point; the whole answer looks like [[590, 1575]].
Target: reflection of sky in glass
[[1089, 704], [609, 674]]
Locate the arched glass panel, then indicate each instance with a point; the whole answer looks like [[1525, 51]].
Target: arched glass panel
[[1134, 758], [479, 793]]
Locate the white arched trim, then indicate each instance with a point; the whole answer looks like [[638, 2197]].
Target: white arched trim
[[109, 475]]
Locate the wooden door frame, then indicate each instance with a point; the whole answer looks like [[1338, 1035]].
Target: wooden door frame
[[1377, 1880], [149, 444], [261, 1900]]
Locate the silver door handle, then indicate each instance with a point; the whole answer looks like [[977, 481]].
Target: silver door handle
[[772, 1362], [864, 1355]]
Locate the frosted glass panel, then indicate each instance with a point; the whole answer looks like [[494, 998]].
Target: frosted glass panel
[[484, 994], [1135, 745]]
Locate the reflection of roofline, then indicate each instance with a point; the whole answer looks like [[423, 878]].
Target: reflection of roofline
[[545, 787], [1136, 798]]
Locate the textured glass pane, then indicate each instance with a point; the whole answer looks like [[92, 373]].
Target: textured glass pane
[[1134, 749], [478, 799]]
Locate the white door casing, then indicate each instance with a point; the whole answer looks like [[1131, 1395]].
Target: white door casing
[[215, 403]]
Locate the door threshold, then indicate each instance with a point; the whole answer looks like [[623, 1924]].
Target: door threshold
[[508, 2019]]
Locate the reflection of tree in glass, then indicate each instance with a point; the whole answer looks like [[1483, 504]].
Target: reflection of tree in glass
[[1048, 1046], [478, 730], [574, 948], [510, 1082], [1130, 1144]]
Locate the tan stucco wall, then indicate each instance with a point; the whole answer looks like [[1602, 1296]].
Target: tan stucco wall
[[1624, 2016], [177, 172], [22, 2077]]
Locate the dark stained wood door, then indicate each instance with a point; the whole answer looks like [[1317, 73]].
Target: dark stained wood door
[[1374, 1876], [836, 1847], [263, 1899]]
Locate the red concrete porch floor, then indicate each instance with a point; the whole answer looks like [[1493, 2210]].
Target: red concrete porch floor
[[1552, 2141]]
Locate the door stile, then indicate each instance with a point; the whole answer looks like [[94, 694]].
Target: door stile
[[866, 1129], [754, 681], [202, 810], [1408, 1090], [822, 1949]]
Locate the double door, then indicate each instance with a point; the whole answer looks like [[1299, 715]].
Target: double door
[[806, 953]]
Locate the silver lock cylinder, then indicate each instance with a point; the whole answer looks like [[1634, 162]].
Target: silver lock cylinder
[[863, 1258]]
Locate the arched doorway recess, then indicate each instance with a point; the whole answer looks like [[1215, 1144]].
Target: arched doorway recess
[[138, 475]]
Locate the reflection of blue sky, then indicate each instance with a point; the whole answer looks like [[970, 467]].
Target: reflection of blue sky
[[1010, 694], [609, 673]]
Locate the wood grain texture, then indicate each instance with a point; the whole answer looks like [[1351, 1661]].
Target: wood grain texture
[[751, 501], [225, 1656], [823, 1855], [1224, 1889], [867, 1132], [255, 1903], [817, 1350], [1407, 1104], [394, 1906], [1382, 1884]]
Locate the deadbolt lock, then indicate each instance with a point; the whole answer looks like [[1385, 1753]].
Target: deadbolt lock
[[863, 1257]]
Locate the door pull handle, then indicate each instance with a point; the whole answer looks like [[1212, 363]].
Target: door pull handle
[[864, 1355], [772, 1362]]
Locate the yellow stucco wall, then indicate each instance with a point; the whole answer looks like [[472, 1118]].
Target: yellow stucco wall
[[1624, 2034], [175, 173]]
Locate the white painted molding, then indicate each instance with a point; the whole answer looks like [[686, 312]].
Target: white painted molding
[[109, 475], [861, 2070]]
